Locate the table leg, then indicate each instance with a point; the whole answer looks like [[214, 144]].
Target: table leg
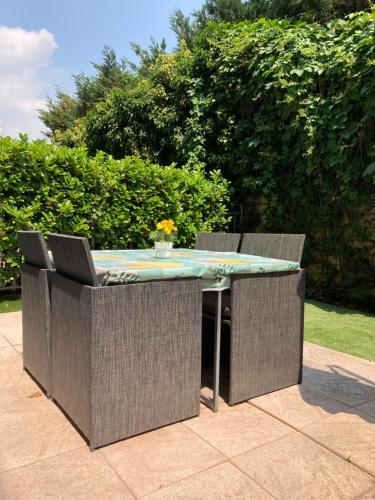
[[217, 352]]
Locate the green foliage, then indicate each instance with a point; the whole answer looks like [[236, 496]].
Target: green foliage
[[64, 113], [148, 118], [292, 114], [314, 10], [187, 28], [286, 110], [113, 203], [110, 74], [184, 29], [147, 57], [60, 113], [130, 122]]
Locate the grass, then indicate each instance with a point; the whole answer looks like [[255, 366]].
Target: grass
[[10, 303], [341, 329]]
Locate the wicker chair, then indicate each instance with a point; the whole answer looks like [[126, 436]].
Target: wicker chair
[[36, 308], [265, 313], [266, 323], [218, 242], [126, 359], [274, 246]]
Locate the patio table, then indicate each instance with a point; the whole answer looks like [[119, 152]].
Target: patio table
[[215, 268]]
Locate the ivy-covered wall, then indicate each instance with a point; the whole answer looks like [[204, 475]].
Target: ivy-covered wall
[[286, 110]]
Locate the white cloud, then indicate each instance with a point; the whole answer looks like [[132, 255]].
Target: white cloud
[[24, 55]]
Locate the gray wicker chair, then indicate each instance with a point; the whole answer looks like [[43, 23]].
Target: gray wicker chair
[[265, 313], [218, 242], [36, 308], [274, 246], [266, 323], [126, 359]]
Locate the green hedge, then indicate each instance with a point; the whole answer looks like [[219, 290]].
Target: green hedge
[[114, 203]]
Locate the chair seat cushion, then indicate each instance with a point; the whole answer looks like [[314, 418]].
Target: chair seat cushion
[[209, 303]]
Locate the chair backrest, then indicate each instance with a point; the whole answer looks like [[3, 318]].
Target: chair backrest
[[218, 242], [34, 249], [72, 258], [274, 246]]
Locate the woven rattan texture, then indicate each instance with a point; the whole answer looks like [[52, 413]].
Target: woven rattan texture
[[126, 359], [218, 242], [274, 246], [266, 333], [36, 324], [34, 249], [72, 258]]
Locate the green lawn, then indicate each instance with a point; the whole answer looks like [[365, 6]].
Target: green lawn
[[10, 303], [335, 327], [341, 329]]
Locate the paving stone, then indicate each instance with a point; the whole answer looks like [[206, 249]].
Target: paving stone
[[299, 406], [295, 467], [368, 408], [222, 482], [234, 430], [350, 434], [78, 474], [159, 458]]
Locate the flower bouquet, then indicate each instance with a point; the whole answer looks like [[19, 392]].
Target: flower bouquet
[[163, 238]]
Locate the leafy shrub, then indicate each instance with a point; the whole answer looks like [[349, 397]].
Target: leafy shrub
[[114, 203]]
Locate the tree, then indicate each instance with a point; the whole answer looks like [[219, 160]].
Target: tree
[[187, 28], [64, 111], [183, 27], [316, 10], [146, 119], [110, 74], [60, 114], [233, 11], [147, 56]]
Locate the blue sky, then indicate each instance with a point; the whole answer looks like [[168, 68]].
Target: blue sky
[[51, 40]]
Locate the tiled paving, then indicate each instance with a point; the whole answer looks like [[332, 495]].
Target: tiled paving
[[313, 441]]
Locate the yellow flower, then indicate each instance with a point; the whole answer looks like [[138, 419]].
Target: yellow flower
[[167, 226]]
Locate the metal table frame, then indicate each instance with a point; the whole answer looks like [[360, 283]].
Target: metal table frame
[[213, 403]]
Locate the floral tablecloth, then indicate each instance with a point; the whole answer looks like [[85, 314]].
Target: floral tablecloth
[[215, 268]]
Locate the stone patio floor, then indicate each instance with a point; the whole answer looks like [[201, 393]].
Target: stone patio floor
[[316, 440]]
